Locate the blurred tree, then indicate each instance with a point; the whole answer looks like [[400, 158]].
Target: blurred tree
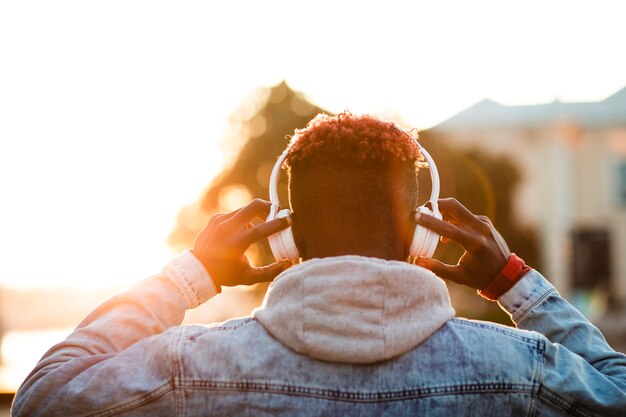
[[257, 135], [258, 132], [485, 185]]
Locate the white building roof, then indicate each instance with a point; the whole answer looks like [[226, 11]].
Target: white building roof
[[610, 112]]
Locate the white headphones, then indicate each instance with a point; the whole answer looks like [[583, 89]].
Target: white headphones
[[283, 244]]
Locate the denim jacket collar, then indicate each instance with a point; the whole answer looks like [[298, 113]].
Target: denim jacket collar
[[354, 309]]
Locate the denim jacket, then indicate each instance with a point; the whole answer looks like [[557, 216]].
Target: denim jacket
[[335, 336]]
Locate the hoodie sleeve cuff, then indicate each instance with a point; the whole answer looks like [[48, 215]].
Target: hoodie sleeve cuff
[[191, 278], [525, 295]]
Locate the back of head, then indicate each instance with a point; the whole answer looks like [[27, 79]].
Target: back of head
[[353, 187]]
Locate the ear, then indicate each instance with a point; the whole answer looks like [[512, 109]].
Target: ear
[[297, 235]]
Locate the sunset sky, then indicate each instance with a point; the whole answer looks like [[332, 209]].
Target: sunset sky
[[112, 113]]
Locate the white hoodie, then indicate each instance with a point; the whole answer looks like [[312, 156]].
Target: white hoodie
[[354, 309]]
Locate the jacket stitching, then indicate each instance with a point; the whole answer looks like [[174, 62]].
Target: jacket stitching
[[537, 376], [562, 403], [196, 299], [138, 402], [176, 370], [493, 328], [540, 300], [357, 397], [208, 329], [179, 284]]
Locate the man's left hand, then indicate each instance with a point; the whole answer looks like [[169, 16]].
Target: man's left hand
[[486, 252]]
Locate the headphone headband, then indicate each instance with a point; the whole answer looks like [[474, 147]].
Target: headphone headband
[[434, 178], [283, 244], [274, 182]]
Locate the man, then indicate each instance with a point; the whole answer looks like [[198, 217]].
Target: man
[[353, 329]]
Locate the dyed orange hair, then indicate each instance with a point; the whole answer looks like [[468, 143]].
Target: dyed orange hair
[[352, 138]]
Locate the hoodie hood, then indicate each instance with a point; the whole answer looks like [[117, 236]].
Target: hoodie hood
[[354, 309]]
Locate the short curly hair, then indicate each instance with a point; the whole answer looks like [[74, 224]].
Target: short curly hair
[[352, 138]]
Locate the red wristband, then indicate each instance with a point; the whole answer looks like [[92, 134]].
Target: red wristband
[[511, 272]]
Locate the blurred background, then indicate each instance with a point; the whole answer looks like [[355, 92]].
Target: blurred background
[[124, 125]]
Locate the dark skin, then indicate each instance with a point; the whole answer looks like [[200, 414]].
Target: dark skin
[[486, 252], [220, 246], [353, 209], [379, 243]]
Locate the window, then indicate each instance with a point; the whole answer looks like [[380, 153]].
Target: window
[[590, 261], [621, 183]]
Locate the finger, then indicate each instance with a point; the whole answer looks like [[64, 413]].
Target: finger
[[264, 230], [445, 271], [257, 207], [221, 217], [446, 229], [454, 221], [451, 207], [266, 273], [485, 219]]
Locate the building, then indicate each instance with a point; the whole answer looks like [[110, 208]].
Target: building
[[573, 160]]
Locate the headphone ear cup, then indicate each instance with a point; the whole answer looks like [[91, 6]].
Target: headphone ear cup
[[283, 244], [290, 250], [424, 240], [430, 244], [419, 235]]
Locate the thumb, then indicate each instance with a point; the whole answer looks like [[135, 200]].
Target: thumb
[[269, 272], [445, 271]]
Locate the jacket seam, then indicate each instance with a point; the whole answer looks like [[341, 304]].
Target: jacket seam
[[537, 376], [176, 370], [210, 329], [242, 323], [138, 402], [491, 327], [172, 273], [540, 300], [356, 397], [562, 403]]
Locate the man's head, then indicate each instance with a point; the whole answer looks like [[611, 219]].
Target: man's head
[[353, 187]]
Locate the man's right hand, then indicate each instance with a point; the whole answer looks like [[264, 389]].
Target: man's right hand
[[220, 246], [486, 252]]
